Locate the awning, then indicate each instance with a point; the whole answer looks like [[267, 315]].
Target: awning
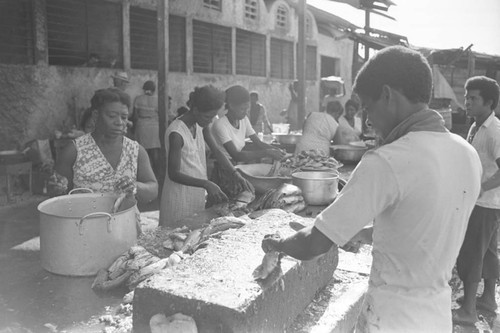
[[376, 43], [442, 88]]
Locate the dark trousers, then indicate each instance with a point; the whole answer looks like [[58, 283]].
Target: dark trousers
[[478, 255]]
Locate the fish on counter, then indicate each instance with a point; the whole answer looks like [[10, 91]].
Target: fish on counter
[[287, 197], [270, 261]]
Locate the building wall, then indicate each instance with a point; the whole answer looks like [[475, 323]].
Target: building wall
[[38, 99], [343, 50]]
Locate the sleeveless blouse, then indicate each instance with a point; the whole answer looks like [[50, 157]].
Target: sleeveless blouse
[[178, 200], [92, 170]]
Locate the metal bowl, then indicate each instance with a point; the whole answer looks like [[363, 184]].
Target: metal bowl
[[287, 139], [348, 154], [318, 188], [256, 175]]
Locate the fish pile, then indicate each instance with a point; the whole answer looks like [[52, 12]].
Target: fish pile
[[138, 264], [287, 197], [311, 159]]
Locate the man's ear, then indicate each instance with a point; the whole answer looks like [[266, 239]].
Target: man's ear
[[386, 93], [488, 103]]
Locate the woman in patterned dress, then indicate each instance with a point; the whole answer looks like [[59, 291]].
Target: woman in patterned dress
[[106, 161], [186, 182]]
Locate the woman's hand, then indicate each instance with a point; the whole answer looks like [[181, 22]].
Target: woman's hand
[[126, 185], [244, 185], [276, 154], [215, 194]]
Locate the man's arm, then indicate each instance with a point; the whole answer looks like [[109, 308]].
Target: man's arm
[[493, 181], [305, 244]]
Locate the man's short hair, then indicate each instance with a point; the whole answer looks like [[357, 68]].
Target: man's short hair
[[109, 95], [402, 69], [488, 89]]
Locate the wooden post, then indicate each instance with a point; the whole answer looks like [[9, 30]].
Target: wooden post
[[162, 17], [301, 65], [367, 32], [126, 34], [471, 64]]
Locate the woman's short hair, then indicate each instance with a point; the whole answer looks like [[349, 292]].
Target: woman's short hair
[[352, 103], [206, 98], [149, 85], [488, 89], [402, 69], [237, 95], [109, 95]]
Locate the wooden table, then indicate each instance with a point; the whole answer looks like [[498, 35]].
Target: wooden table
[[15, 169]]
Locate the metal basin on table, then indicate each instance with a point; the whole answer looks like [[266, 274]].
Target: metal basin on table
[[256, 175]]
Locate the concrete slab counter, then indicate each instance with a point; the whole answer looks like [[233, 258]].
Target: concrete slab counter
[[216, 288]]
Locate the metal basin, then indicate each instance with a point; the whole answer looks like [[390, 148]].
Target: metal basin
[[318, 188], [288, 139], [256, 175], [347, 153]]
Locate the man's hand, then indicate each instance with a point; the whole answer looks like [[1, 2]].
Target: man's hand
[[271, 242]]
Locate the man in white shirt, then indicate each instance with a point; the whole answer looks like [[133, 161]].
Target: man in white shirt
[[478, 255], [418, 188]]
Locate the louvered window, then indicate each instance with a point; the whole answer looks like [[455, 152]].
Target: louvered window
[[144, 40], [282, 17], [16, 32], [251, 9], [177, 43], [250, 53], [281, 59], [213, 4], [211, 48], [78, 29]]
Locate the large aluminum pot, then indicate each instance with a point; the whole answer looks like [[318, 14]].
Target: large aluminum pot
[[287, 139], [318, 188], [79, 235], [347, 153]]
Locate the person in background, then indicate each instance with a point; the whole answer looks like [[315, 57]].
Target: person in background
[[419, 189], [330, 97], [320, 129], [104, 160], [258, 115], [292, 112], [93, 61], [345, 133], [120, 80], [478, 255], [145, 118], [186, 180], [350, 117], [230, 132]]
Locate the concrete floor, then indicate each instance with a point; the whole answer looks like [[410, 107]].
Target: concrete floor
[[32, 299]]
